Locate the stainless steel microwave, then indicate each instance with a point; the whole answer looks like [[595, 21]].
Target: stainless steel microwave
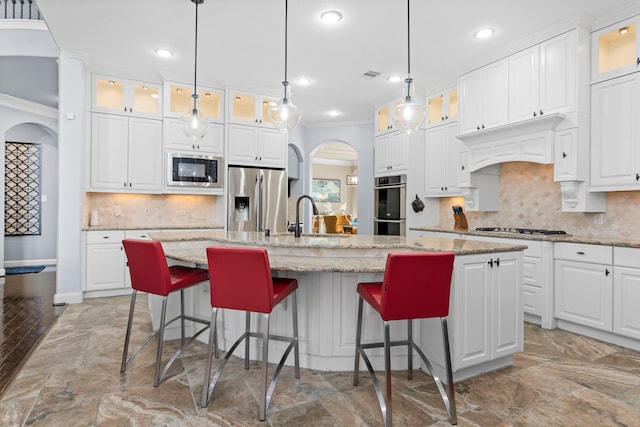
[[194, 170]]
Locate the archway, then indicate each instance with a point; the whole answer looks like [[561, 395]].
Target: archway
[[334, 172]]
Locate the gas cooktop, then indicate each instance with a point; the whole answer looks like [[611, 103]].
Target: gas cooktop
[[520, 230]]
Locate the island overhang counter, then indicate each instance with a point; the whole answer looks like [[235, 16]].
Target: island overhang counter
[[485, 317]]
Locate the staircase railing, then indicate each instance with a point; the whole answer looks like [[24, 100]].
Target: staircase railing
[[19, 9]]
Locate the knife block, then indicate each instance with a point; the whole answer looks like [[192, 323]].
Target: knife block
[[460, 222]]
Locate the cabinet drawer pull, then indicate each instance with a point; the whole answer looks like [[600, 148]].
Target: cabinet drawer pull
[[564, 155], [637, 177], [105, 237], [606, 272], [580, 253]]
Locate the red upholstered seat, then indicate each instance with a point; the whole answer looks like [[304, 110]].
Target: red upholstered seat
[[150, 273], [416, 285], [241, 280]]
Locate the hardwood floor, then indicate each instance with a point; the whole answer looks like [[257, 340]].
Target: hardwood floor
[[26, 314]]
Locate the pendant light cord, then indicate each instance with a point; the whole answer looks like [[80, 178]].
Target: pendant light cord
[[286, 20], [408, 39], [195, 63]]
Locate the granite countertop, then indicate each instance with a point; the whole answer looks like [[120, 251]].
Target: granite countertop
[[566, 238], [319, 253], [165, 227]]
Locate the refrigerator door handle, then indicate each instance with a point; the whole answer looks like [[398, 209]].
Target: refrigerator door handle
[[260, 201]]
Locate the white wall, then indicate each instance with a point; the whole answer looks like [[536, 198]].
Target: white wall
[[29, 250]]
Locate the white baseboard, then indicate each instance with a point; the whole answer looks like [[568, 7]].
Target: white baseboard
[[68, 298], [27, 262]]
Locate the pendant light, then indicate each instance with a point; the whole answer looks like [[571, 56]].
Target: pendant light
[[408, 115], [195, 126], [285, 116]]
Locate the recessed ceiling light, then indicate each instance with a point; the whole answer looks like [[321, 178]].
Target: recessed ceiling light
[[395, 78], [154, 95], [331, 17], [303, 81], [484, 33], [164, 53], [623, 30], [334, 113]]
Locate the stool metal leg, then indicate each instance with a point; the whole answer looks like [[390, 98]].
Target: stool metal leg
[[410, 349], [207, 366], [128, 335], [262, 415], [247, 331], [182, 315], [386, 412], [356, 365], [156, 377], [447, 357], [296, 354]]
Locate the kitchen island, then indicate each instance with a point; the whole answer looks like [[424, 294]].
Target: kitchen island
[[485, 319]]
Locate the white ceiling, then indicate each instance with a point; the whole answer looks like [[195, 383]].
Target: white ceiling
[[241, 42]]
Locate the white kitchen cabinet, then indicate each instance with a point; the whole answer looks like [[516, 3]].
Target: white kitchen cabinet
[[106, 261], [126, 97], [105, 266], [626, 292], [126, 153], [584, 284], [442, 107], [384, 122], [615, 134], [615, 50], [176, 140], [254, 146], [247, 108], [442, 163], [567, 163], [392, 153], [488, 290], [542, 79], [179, 101], [484, 97]]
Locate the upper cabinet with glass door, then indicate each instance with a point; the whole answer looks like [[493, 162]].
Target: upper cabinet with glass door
[[180, 101], [442, 107], [126, 97], [615, 50], [384, 122], [246, 108]]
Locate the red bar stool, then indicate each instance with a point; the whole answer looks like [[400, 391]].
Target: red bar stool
[[150, 273], [416, 285], [241, 280]]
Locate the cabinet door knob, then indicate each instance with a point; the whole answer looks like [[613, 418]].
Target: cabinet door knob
[[442, 118], [482, 126], [129, 184], [497, 262], [446, 117], [490, 263], [462, 167], [541, 112], [637, 177], [564, 155], [637, 61], [124, 184], [535, 114], [606, 272], [477, 127]]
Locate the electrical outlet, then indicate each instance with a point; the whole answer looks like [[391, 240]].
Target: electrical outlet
[[598, 219], [117, 211]]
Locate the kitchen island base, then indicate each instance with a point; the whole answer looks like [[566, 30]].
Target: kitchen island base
[[485, 319]]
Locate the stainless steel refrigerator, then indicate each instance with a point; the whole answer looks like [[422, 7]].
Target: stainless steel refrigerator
[[257, 200]]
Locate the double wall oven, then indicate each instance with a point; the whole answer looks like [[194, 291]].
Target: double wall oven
[[390, 205]]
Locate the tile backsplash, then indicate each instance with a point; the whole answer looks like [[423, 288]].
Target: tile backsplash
[[150, 210], [529, 198]]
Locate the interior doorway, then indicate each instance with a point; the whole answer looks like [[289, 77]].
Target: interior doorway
[[334, 186]]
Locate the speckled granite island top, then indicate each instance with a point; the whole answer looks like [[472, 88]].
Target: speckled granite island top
[[319, 253]]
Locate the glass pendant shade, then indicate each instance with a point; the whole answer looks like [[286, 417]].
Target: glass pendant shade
[[409, 115], [195, 126], [285, 116]]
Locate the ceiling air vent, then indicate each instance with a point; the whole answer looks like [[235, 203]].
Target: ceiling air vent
[[371, 74]]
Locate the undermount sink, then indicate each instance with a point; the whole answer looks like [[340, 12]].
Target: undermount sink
[[325, 235]]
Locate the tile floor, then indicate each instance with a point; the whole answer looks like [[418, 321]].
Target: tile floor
[[73, 378]]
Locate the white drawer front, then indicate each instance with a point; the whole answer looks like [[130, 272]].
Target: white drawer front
[[138, 234], [626, 257], [584, 253], [107, 236]]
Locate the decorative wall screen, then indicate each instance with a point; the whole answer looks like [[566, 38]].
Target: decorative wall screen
[[22, 187]]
